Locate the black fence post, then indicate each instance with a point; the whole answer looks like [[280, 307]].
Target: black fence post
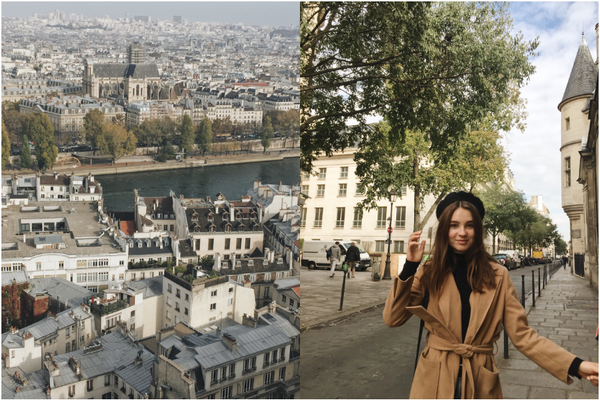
[[523, 290], [343, 289], [539, 282], [505, 344], [533, 286]]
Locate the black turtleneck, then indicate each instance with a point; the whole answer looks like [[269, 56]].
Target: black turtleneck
[[459, 273]]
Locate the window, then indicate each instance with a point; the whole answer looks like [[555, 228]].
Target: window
[[214, 376], [247, 246], [568, 171], [178, 293], [340, 217], [358, 215], [213, 306], [61, 265], [103, 276], [121, 262], [132, 314], [82, 277], [187, 297], [227, 244], [282, 352], [342, 190], [381, 217], [267, 359], [282, 373], [90, 385], [401, 217], [269, 377], [238, 243], [360, 189], [38, 266], [169, 301], [107, 395], [232, 370], [106, 380], [304, 190], [249, 364], [567, 124], [169, 288], [403, 190], [322, 173], [380, 246], [168, 314], [165, 227], [230, 290], [291, 302], [116, 381], [320, 190], [284, 298], [399, 246], [303, 217], [177, 306], [226, 392], [318, 217], [71, 390], [82, 339], [248, 385], [68, 347], [211, 243], [185, 311], [343, 172]]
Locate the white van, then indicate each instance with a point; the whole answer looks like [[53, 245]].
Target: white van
[[514, 255], [314, 254]]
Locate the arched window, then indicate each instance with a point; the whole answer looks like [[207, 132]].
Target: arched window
[[137, 90]]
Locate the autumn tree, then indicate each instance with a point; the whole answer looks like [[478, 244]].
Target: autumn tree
[[115, 141], [13, 120], [93, 125], [5, 147], [204, 136], [187, 134], [42, 132], [119, 119], [438, 69], [25, 153], [267, 134]]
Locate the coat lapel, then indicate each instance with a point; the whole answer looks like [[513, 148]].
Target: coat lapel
[[450, 306], [480, 305]]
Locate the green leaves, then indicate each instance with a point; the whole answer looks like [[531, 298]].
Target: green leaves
[[5, 146], [187, 134], [267, 134], [204, 135]]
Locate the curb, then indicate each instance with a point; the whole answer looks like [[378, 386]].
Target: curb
[[323, 324]]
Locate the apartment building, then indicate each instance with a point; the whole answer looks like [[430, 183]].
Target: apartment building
[[235, 112]]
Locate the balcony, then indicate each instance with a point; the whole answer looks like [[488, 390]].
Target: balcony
[[266, 364], [214, 381], [123, 390], [223, 379], [231, 376]]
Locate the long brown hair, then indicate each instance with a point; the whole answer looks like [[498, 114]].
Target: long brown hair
[[480, 273]]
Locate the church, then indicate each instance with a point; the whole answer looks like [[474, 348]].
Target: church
[[135, 81]]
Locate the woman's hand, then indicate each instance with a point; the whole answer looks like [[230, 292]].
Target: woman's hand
[[414, 252], [589, 370]]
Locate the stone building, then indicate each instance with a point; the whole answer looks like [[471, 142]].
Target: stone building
[[575, 127]]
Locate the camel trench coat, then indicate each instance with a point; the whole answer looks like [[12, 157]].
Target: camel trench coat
[[438, 366]]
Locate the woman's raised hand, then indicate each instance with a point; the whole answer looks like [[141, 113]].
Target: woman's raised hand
[[415, 249]]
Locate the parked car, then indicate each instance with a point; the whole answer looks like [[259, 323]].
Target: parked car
[[314, 254], [514, 256], [505, 260]]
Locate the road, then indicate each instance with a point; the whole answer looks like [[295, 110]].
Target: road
[[359, 358]]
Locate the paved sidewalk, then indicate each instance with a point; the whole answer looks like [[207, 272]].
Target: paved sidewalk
[[566, 313]]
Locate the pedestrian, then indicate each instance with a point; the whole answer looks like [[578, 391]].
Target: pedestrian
[[352, 257], [335, 253], [564, 261], [470, 297]]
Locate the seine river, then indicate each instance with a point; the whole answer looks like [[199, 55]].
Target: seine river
[[233, 180]]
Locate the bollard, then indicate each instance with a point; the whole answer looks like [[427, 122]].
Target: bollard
[[533, 286], [345, 271], [539, 283], [523, 290]]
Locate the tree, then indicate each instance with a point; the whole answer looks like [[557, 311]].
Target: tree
[[560, 246], [13, 120], [5, 147], [477, 158], [115, 141], [204, 136], [505, 210], [267, 134], [25, 153], [93, 125], [119, 119], [434, 68], [42, 132], [207, 262], [167, 152], [540, 233], [187, 134]]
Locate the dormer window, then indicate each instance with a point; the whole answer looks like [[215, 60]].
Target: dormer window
[[241, 227], [195, 216], [196, 228], [239, 216], [225, 215], [280, 261], [265, 262], [253, 214], [238, 264], [211, 216], [224, 264], [211, 228], [251, 263], [228, 228], [256, 227]]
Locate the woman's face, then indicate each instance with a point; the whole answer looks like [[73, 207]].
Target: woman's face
[[461, 231]]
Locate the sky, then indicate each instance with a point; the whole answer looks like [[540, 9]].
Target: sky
[[246, 12], [535, 156]]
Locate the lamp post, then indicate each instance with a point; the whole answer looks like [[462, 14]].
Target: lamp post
[[386, 272]]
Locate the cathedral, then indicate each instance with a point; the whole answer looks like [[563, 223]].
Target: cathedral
[[135, 81]]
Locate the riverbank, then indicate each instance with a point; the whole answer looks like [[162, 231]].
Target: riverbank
[[132, 164]]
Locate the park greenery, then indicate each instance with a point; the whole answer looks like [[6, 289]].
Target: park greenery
[[187, 134], [42, 132], [267, 134], [5, 146], [26, 153], [204, 135]]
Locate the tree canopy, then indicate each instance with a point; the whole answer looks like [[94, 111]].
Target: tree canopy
[[187, 134], [115, 141], [5, 146], [204, 136], [42, 132], [435, 68], [25, 153], [267, 134], [93, 125]]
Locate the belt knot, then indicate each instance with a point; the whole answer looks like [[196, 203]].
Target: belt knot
[[463, 350]]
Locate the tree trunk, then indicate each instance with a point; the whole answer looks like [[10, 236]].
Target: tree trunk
[[493, 243], [417, 199]]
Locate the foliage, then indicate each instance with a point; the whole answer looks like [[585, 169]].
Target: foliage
[[25, 153], [166, 153], [93, 126], [505, 210], [13, 120], [477, 158], [204, 136], [222, 126], [115, 141], [187, 134], [105, 309], [207, 262], [434, 68], [540, 233], [286, 122], [5, 146], [156, 132], [119, 119], [213, 274], [560, 246], [180, 269], [42, 132], [267, 134]]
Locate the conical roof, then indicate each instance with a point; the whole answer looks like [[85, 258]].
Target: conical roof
[[583, 75]]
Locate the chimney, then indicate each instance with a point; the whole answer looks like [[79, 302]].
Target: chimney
[[24, 238], [232, 260], [55, 175], [229, 341], [217, 264], [249, 321], [256, 184], [280, 186], [231, 212], [138, 358]]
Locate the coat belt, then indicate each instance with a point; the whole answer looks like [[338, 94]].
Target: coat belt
[[465, 351]]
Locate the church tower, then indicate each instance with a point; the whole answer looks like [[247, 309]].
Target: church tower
[[574, 110]]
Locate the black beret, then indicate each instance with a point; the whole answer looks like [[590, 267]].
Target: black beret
[[460, 196]]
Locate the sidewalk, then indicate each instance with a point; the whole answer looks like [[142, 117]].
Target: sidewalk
[[566, 313]]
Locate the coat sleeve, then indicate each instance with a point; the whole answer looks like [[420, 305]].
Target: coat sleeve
[[538, 349], [402, 294]]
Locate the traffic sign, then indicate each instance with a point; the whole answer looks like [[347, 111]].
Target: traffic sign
[[390, 230]]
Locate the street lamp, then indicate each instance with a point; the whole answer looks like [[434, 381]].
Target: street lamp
[[386, 273]]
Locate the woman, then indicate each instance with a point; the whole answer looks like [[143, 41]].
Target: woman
[[471, 296]]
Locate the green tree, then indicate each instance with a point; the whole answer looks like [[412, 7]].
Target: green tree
[[505, 210], [13, 120], [560, 246], [540, 233], [42, 132], [167, 152], [115, 141], [435, 68], [204, 136], [187, 134], [267, 134], [5, 146], [25, 153], [93, 126], [207, 262], [119, 119]]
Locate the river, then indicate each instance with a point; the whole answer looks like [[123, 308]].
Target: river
[[233, 180]]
